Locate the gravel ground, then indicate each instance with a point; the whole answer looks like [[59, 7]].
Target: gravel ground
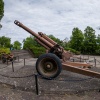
[[67, 86], [7, 93]]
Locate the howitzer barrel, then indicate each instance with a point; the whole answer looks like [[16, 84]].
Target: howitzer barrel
[[47, 38], [45, 46], [50, 45]]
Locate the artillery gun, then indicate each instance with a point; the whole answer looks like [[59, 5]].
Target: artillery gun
[[50, 64]]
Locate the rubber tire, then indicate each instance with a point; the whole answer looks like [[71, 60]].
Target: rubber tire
[[54, 59]]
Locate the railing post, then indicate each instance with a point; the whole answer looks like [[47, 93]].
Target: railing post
[[95, 62], [80, 58], [88, 56], [7, 61], [36, 82], [73, 59], [12, 66], [24, 61], [18, 58]]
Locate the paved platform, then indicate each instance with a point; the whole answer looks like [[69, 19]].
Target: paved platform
[[23, 79]]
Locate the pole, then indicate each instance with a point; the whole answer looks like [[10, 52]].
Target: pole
[[24, 61], [36, 82], [95, 62], [12, 66], [18, 58]]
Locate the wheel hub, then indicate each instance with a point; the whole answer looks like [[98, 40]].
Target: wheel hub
[[48, 66]]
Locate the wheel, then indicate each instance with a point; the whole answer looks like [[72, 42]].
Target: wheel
[[48, 66]]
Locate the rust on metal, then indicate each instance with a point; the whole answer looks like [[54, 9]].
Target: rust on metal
[[63, 55], [47, 38], [45, 46], [33, 33], [78, 64], [80, 70]]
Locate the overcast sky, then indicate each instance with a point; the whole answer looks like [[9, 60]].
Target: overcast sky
[[56, 17]]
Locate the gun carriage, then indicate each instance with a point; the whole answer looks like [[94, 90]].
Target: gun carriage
[[50, 64]]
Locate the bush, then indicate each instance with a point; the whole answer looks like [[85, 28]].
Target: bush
[[6, 50], [37, 51], [73, 51]]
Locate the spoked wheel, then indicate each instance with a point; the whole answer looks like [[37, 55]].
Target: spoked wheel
[[48, 66]]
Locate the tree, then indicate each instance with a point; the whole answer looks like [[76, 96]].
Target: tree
[[33, 46], [55, 39], [98, 44], [98, 39], [76, 40], [17, 45], [29, 42], [5, 42], [58, 41], [90, 45], [1, 10]]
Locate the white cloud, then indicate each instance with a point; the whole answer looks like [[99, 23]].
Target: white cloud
[[57, 17]]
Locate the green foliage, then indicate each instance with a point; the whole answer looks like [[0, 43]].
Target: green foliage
[[98, 40], [73, 51], [30, 43], [17, 45], [90, 44], [98, 44], [37, 51], [5, 42], [5, 50], [1, 10], [56, 40], [86, 43], [76, 40]]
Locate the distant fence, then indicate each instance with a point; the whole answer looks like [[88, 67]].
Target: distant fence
[[86, 59]]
